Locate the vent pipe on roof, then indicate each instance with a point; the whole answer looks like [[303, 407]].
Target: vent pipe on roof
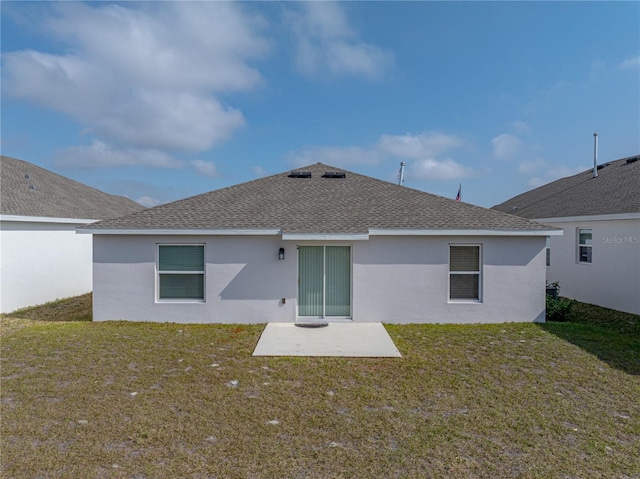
[[595, 155], [401, 173]]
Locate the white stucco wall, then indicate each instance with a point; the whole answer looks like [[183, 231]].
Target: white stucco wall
[[42, 262], [395, 280], [405, 280], [244, 280], [612, 279]]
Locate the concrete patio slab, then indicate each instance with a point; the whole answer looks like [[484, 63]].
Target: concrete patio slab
[[367, 340]]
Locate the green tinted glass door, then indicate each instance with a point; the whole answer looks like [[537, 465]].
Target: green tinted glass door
[[324, 281], [310, 280], [338, 281]]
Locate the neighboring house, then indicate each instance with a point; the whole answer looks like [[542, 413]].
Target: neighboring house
[[319, 243], [597, 260], [41, 257]]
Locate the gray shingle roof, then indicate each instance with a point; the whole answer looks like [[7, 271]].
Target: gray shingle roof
[[29, 190], [615, 190], [353, 204]]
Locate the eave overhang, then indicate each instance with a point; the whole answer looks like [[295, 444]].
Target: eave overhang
[[180, 232], [464, 232], [291, 236], [45, 219]]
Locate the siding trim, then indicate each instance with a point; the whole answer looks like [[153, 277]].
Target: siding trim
[[44, 219], [571, 219]]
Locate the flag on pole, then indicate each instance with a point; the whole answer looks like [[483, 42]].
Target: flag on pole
[[459, 195]]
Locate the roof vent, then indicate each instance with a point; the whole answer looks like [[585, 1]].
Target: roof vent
[[334, 174], [300, 174], [602, 166], [31, 187], [632, 160], [514, 208], [27, 176]]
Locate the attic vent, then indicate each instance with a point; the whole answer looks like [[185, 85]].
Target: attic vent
[[300, 174], [334, 174], [632, 160]]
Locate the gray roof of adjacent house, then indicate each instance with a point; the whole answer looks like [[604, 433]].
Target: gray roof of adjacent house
[[616, 190], [29, 190], [316, 203]]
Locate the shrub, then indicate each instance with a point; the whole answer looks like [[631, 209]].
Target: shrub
[[559, 309]]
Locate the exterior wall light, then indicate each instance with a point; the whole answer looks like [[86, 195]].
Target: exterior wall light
[[281, 253]]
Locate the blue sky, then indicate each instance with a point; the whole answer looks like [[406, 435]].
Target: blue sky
[[159, 100]]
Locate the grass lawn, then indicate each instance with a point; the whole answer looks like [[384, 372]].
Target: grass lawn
[[139, 400]]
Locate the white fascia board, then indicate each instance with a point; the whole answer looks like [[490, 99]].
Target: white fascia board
[[45, 219], [573, 219], [177, 232], [325, 236], [452, 232]]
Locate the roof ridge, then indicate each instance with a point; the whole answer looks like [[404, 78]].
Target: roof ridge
[[386, 183]]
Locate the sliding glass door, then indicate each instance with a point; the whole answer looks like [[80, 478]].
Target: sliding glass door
[[324, 281], [311, 281]]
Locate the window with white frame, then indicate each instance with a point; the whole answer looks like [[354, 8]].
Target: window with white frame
[[548, 251], [464, 273], [181, 272], [584, 245]]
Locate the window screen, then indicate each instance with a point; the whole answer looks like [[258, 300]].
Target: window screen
[[548, 251], [464, 273], [584, 245]]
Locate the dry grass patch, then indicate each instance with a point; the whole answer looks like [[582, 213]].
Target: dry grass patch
[[77, 308], [139, 400]]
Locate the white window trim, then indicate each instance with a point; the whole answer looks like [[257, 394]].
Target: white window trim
[[547, 252], [580, 245], [479, 273], [158, 273]]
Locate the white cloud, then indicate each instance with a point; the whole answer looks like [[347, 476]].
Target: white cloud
[[630, 63], [168, 120], [205, 168], [561, 85], [422, 145], [99, 154], [529, 166], [505, 146], [326, 44], [544, 172], [142, 192], [521, 126], [144, 75], [554, 173], [148, 201], [258, 171], [447, 169], [425, 148], [598, 70]]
